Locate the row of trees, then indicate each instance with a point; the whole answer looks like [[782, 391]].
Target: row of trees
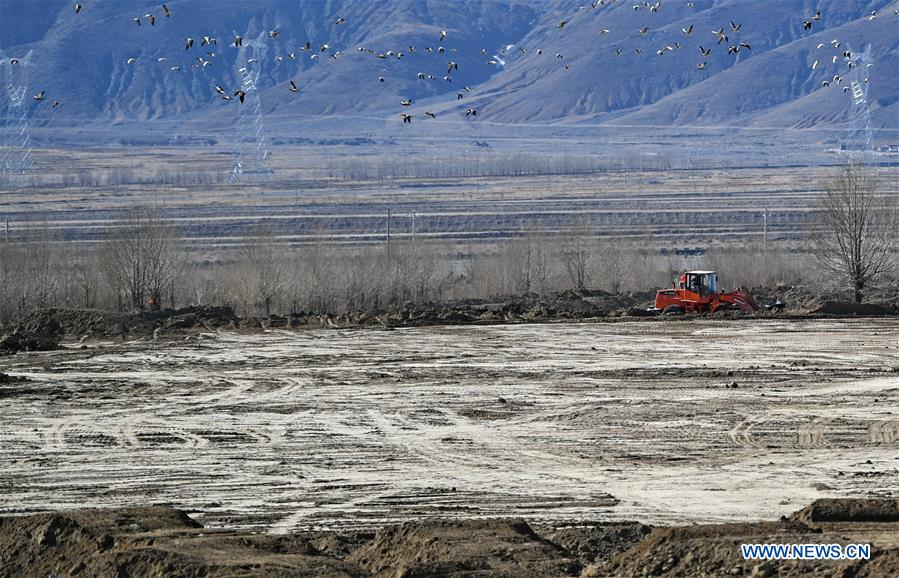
[[145, 264]]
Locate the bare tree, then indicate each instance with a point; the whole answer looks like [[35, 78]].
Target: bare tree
[[615, 263], [856, 235], [525, 262], [143, 258], [262, 274], [577, 253]]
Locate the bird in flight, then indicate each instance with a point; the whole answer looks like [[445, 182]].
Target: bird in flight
[[688, 30], [340, 21], [407, 118], [735, 27], [241, 95], [39, 96], [78, 8], [431, 114], [166, 12], [292, 87], [471, 112], [406, 102]]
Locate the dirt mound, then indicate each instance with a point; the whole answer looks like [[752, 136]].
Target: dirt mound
[[464, 548], [41, 334], [849, 510], [845, 308], [153, 541], [714, 550], [594, 544], [162, 541], [94, 323]]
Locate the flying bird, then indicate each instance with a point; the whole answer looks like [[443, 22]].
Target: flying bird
[[719, 34], [735, 27], [39, 96], [188, 43], [274, 33], [406, 102], [55, 103], [208, 40], [407, 118], [704, 51], [561, 24], [431, 114], [471, 112], [292, 87], [241, 95], [220, 90], [688, 30], [442, 35], [165, 11], [78, 8], [806, 25], [340, 21], [643, 30], [151, 18], [136, 20], [702, 65], [132, 60]]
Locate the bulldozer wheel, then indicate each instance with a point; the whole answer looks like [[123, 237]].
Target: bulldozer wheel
[[673, 310]]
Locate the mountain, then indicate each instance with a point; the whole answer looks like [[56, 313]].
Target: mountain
[[506, 52]]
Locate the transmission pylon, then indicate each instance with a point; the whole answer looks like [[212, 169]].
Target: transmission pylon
[[857, 144], [16, 163], [250, 162]]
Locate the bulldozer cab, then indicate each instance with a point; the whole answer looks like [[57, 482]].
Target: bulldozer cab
[[704, 283]]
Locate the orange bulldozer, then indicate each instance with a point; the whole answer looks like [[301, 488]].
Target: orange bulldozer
[[697, 292]]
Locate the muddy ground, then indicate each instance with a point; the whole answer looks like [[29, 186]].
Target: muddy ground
[[557, 425]]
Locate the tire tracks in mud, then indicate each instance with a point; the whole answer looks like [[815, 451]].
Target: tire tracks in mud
[[354, 428]]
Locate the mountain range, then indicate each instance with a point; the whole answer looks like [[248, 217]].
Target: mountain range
[[616, 63]]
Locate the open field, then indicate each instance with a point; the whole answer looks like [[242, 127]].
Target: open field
[[679, 208], [663, 422]]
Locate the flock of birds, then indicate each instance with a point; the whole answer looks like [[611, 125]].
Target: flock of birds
[[722, 35]]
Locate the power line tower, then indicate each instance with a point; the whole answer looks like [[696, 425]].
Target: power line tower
[[250, 162], [857, 145], [16, 163]]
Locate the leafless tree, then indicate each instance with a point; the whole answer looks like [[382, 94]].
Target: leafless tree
[[616, 262], [525, 263], [262, 274], [856, 235], [577, 252], [143, 258]]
